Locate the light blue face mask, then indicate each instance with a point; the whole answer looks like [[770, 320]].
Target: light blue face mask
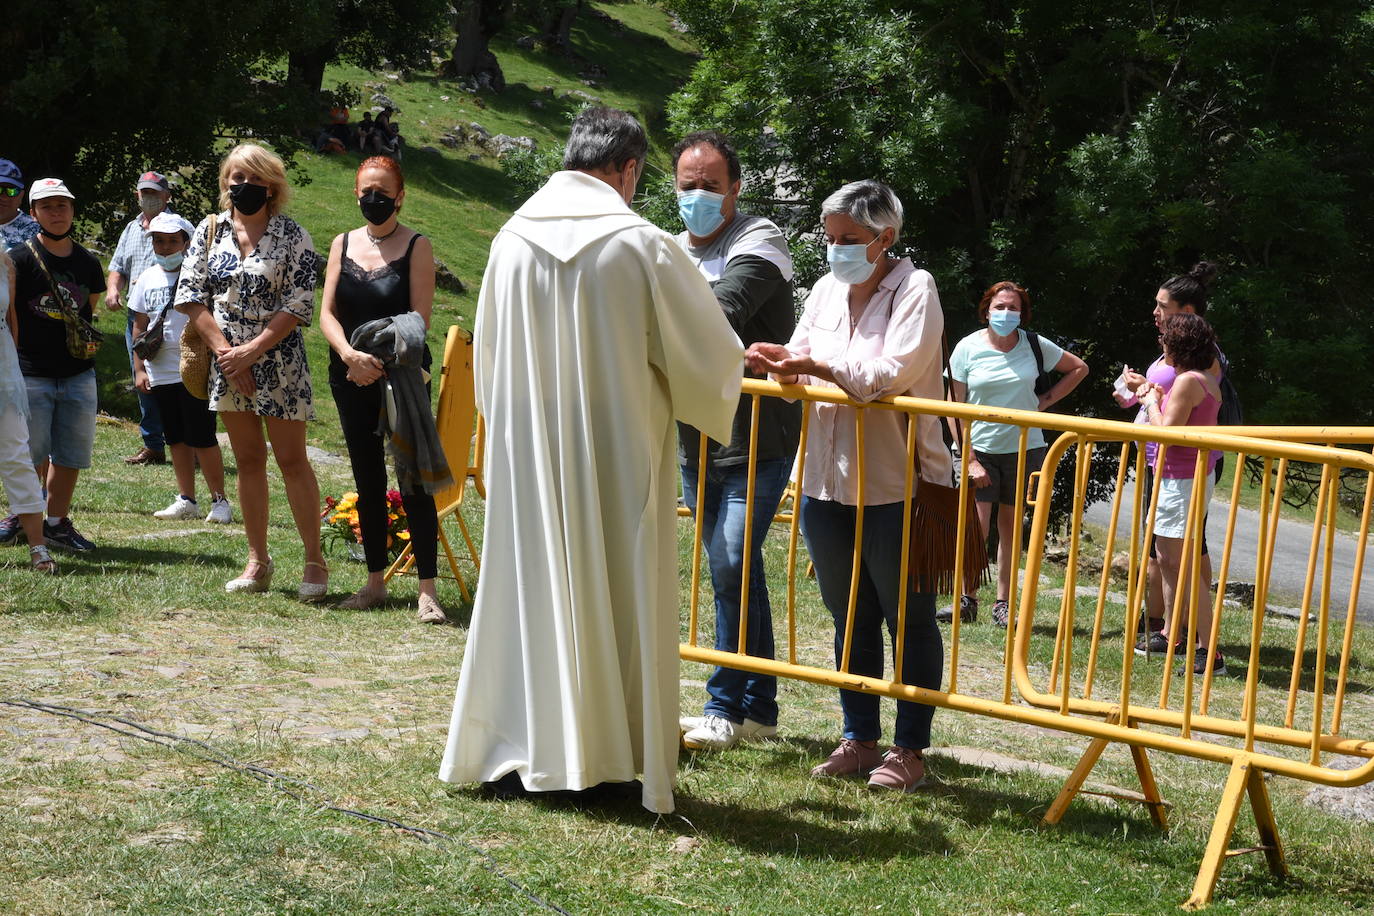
[[1003, 321], [850, 263], [700, 211], [170, 261]]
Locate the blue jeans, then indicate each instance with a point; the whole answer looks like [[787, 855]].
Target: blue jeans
[[829, 531], [149, 420], [62, 419], [739, 695]]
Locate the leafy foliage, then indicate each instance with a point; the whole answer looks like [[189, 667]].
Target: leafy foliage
[[1089, 150]]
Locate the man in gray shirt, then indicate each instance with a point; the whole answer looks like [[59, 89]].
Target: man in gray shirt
[[745, 259]]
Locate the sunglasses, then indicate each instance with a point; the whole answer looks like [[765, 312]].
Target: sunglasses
[[10, 191]]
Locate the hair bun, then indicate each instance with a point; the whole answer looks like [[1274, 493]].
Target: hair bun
[[1204, 272]]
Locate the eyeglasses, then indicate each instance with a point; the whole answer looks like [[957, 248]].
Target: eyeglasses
[[10, 191]]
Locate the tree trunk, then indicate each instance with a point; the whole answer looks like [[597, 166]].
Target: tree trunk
[[471, 42], [305, 69], [558, 32]]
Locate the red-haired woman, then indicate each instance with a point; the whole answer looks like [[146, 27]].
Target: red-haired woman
[[380, 270], [997, 367]]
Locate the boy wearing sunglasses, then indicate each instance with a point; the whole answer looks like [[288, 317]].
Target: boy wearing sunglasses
[[16, 226]]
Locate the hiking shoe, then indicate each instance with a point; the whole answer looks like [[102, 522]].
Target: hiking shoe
[[716, 733], [1200, 663], [147, 455], [179, 509], [1001, 613], [968, 611], [11, 532], [220, 512], [1157, 644], [1144, 624], [64, 534], [902, 770], [849, 759]]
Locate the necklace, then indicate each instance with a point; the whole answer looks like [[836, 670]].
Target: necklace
[[378, 239]]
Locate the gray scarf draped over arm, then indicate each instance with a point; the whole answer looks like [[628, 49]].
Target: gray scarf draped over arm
[[406, 421]]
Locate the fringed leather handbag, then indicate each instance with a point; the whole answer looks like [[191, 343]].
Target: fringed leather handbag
[[935, 530]]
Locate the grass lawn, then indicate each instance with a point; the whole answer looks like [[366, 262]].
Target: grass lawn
[[356, 704]]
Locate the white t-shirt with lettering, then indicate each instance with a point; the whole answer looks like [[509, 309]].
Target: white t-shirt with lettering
[[153, 294]]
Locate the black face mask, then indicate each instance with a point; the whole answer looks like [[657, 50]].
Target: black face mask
[[248, 198], [54, 236], [377, 207]]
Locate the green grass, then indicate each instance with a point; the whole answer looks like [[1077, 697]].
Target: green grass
[[94, 823]]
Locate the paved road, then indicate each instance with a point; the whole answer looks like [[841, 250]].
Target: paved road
[[1294, 541]]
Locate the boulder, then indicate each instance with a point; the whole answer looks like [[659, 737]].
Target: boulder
[[446, 279]]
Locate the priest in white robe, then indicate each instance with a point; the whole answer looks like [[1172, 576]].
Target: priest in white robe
[[594, 332]]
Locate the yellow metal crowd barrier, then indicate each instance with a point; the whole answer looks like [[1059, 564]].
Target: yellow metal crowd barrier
[[1073, 667]]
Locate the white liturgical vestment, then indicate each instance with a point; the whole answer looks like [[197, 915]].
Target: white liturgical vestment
[[594, 332]]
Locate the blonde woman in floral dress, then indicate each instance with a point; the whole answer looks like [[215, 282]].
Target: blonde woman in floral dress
[[248, 293]]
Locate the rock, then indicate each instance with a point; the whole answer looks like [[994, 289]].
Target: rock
[[1055, 553], [684, 844], [446, 279], [1356, 804], [1121, 562], [579, 94], [1241, 591], [318, 455], [504, 143], [385, 101], [480, 133], [394, 77], [442, 98], [430, 149], [450, 141], [527, 42]]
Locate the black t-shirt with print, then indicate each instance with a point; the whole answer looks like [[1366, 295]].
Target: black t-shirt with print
[[42, 333]]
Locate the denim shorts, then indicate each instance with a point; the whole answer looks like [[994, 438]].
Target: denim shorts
[[62, 419], [1175, 493]]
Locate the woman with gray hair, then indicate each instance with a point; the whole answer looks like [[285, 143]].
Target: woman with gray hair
[[872, 328]]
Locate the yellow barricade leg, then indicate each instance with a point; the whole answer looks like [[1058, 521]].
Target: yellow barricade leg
[[1244, 779], [1149, 789]]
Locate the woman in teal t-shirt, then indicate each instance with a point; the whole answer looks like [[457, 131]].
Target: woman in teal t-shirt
[[996, 366]]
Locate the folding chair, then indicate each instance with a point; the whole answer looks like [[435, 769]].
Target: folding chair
[[454, 420]]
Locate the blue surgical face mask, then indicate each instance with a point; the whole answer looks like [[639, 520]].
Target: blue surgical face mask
[[170, 261], [850, 263], [1003, 321], [700, 211]]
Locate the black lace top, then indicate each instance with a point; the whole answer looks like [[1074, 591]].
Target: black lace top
[[364, 295]]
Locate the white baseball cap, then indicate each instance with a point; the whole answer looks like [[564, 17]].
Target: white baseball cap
[[49, 187], [171, 222]]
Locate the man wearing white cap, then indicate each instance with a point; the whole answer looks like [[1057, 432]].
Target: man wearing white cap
[[134, 255], [16, 226], [57, 286], [188, 425]]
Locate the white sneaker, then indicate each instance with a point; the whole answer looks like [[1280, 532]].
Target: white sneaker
[[220, 512], [181, 508], [716, 733]]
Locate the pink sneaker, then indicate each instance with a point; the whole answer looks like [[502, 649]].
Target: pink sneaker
[[902, 769], [849, 759]]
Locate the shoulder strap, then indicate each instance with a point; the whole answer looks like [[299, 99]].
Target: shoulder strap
[[344, 251], [411, 247], [59, 299], [1033, 339]]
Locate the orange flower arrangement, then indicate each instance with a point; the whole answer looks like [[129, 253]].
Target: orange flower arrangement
[[340, 518]]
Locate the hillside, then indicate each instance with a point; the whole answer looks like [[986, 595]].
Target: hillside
[[624, 54]]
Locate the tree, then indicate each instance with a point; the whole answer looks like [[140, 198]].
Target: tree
[[367, 34], [1089, 150], [476, 23], [98, 105]]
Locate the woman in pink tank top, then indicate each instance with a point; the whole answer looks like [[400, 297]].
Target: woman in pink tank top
[[1193, 400]]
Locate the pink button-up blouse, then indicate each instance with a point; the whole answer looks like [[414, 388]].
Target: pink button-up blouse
[[893, 349]]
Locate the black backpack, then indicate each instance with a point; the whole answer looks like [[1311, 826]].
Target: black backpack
[[1043, 381]]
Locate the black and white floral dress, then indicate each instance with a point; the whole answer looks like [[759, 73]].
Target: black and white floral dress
[[244, 294]]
